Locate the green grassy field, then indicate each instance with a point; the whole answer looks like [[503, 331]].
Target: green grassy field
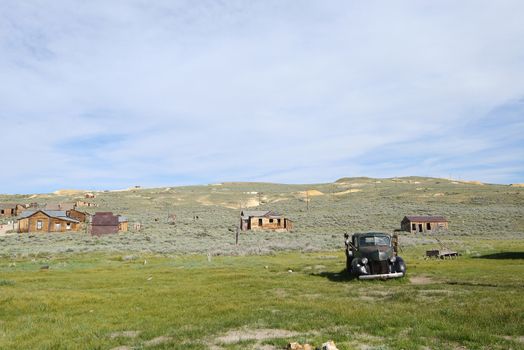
[[144, 301], [188, 286]]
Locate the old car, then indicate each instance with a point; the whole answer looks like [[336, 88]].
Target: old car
[[373, 255]]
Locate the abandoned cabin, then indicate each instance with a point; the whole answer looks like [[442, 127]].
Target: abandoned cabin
[[264, 220], [78, 215], [46, 221], [84, 204], [104, 223], [423, 224], [11, 209]]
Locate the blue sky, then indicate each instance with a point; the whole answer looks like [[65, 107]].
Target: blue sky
[[110, 94]]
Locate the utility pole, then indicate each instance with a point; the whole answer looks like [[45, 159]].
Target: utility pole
[[307, 200]]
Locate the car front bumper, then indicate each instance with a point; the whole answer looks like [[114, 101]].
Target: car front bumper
[[381, 276]]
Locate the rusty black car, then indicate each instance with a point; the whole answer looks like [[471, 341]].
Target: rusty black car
[[373, 255]]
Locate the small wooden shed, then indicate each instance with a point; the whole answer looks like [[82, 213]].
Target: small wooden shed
[[123, 223], [103, 223], [46, 221], [11, 209], [423, 224], [84, 204], [264, 220]]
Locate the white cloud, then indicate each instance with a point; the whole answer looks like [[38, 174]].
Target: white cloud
[[279, 91]]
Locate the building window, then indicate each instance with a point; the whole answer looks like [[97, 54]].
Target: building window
[[413, 227], [428, 226], [279, 222], [259, 222], [39, 224], [2, 211], [270, 221], [58, 227], [68, 226]]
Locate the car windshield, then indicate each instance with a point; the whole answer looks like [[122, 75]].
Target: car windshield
[[374, 240]]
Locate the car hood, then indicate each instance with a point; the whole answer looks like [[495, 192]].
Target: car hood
[[376, 253]]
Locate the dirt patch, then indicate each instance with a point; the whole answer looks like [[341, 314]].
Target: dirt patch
[[124, 334], [122, 348], [249, 203], [265, 347], [517, 339], [366, 341], [236, 336], [68, 192], [472, 182], [353, 190], [157, 341], [310, 193], [421, 280]]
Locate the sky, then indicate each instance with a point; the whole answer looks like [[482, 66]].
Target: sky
[[112, 94]]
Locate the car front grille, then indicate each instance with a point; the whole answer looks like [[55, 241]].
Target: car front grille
[[378, 267]]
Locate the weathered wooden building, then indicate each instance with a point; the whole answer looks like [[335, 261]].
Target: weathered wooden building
[[104, 223], [423, 224], [84, 204], [264, 220], [78, 215], [46, 221], [11, 209], [123, 223]]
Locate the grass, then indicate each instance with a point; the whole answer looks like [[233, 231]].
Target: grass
[[86, 301], [188, 286]]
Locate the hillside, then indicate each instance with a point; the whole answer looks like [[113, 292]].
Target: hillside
[[347, 205]]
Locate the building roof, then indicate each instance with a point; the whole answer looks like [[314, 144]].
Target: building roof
[[259, 214], [60, 206], [57, 214], [8, 205], [122, 218], [426, 218], [105, 219]]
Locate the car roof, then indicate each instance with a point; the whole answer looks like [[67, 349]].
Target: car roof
[[372, 234]]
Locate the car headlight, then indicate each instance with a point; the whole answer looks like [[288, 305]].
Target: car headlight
[[364, 261], [393, 259]]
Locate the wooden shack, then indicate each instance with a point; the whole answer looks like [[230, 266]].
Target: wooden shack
[[103, 223], [11, 209], [123, 223], [84, 204], [46, 221], [78, 215], [423, 224], [264, 220]]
